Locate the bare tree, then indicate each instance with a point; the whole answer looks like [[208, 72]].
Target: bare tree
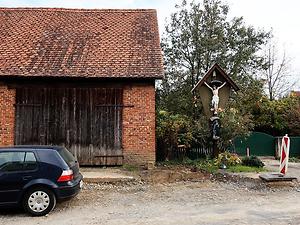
[[277, 72]]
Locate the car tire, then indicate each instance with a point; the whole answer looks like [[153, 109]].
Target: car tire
[[39, 201]]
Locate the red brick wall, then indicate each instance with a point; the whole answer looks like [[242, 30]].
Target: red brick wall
[[7, 115], [139, 124]]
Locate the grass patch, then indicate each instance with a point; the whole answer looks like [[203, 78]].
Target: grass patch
[[241, 168], [206, 165], [294, 160], [130, 168], [209, 165], [170, 163]]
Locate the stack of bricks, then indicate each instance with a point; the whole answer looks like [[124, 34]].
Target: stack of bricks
[[139, 124], [7, 115]]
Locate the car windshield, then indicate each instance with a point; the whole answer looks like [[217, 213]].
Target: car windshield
[[67, 156]]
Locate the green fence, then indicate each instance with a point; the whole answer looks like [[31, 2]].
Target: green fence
[[295, 147], [262, 144]]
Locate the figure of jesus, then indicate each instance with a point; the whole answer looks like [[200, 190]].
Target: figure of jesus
[[215, 97]]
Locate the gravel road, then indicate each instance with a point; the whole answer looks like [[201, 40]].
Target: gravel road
[[206, 202]]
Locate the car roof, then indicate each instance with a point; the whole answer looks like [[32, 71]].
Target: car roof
[[33, 147]]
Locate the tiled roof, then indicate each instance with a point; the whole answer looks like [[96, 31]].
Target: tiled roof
[[295, 93], [79, 43]]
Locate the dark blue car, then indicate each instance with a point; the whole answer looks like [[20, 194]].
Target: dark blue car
[[37, 176]]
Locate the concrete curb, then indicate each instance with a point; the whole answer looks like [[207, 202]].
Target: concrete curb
[[100, 177], [107, 180]]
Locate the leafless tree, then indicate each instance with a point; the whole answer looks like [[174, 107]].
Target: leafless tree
[[277, 72]]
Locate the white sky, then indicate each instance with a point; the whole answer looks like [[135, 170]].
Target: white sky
[[281, 16]]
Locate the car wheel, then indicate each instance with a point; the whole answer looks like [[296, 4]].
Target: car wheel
[[39, 201]]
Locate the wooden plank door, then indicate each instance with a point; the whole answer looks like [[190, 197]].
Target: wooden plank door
[[88, 121], [107, 127]]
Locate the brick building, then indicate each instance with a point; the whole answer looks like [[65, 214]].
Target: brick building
[[83, 79]]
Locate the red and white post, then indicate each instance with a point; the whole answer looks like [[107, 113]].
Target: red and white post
[[284, 154]]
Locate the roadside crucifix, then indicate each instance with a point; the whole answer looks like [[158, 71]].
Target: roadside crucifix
[[214, 89], [215, 98]]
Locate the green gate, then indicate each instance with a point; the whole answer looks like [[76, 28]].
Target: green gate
[[294, 147], [259, 144], [262, 144]]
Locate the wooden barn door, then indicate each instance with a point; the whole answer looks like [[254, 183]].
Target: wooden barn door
[[88, 121]]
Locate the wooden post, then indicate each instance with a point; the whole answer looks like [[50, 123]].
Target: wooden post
[[215, 148], [247, 151]]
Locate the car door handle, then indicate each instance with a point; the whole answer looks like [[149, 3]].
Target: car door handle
[[27, 177]]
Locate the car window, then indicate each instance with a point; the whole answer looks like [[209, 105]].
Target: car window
[[11, 161], [30, 161], [67, 156]]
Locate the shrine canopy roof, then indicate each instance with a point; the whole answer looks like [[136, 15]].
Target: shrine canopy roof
[[221, 72]]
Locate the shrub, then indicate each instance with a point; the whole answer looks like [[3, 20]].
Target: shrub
[[171, 131], [228, 159], [253, 161]]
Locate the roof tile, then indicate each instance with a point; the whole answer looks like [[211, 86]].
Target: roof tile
[[79, 43]]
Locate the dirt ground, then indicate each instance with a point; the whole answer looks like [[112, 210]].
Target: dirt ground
[[205, 200]]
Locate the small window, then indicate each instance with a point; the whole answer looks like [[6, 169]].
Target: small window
[[30, 161], [11, 161], [67, 156]]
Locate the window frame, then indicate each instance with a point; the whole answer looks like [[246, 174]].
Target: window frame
[[23, 163], [36, 161]]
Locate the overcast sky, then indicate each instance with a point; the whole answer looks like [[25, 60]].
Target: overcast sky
[[281, 16]]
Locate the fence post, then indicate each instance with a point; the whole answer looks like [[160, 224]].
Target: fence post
[[247, 151]]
